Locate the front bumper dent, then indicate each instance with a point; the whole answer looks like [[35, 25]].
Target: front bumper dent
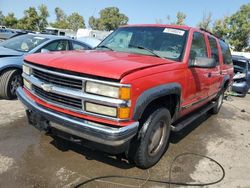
[[95, 132]]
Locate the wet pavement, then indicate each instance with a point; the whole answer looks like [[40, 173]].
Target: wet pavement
[[29, 158]]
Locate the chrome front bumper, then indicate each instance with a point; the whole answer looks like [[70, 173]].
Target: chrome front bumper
[[88, 130]]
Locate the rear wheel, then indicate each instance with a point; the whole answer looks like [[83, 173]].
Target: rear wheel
[[10, 80], [219, 102], [152, 140]]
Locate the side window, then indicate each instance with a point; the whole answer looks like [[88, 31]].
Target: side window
[[214, 49], [59, 45], [198, 48], [227, 58], [79, 46]]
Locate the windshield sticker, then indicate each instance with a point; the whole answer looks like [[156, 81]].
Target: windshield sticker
[[174, 31], [40, 38]]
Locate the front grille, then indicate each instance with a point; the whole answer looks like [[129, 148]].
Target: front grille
[[58, 99], [57, 80]]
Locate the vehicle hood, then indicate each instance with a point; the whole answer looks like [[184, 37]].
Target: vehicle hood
[[108, 64], [6, 52]]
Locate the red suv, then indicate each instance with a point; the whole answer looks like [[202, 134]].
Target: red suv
[[127, 95]]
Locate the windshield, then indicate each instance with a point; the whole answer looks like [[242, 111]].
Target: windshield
[[23, 43], [156, 41]]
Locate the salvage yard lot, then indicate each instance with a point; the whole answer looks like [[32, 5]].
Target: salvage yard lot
[[31, 159]]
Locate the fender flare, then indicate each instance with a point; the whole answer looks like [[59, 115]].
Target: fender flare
[[11, 66], [153, 93]]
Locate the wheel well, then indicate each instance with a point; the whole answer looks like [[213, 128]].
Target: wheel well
[[226, 84], [170, 102], [10, 68]]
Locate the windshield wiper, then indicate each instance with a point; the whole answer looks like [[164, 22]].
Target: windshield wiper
[[104, 46], [147, 49]]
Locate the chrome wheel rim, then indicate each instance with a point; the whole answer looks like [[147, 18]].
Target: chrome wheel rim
[[157, 138], [15, 83]]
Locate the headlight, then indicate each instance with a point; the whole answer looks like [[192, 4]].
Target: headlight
[[107, 90], [100, 109], [26, 70], [27, 84]]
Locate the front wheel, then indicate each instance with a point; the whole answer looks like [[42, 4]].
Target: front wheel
[[219, 101], [152, 141], [10, 80]]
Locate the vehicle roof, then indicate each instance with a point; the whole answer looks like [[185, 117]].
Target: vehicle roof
[[51, 37], [159, 25], [239, 57]]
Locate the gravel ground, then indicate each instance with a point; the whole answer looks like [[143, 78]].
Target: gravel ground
[[28, 158]]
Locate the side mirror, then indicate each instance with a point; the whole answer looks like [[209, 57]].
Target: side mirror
[[43, 50], [203, 62]]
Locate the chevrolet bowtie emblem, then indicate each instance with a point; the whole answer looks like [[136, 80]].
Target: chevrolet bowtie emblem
[[47, 87]]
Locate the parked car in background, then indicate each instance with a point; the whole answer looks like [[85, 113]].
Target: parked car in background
[[241, 77], [13, 50], [93, 42], [6, 34]]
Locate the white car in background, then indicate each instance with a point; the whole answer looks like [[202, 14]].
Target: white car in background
[[93, 42]]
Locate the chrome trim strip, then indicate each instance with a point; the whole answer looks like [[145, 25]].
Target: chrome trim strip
[[77, 77], [88, 130], [38, 83], [78, 94], [197, 102]]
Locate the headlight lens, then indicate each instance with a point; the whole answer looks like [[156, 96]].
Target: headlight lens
[[107, 90], [100, 109], [27, 84], [26, 70], [101, 89]]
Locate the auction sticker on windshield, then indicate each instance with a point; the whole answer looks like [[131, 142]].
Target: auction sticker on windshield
[[174, 31]]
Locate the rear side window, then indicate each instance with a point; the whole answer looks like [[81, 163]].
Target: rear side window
[[227, 57], [60, 45], [214, 49], [198, 48], [79, 46]]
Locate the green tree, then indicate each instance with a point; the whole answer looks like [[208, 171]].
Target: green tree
[[93, 23], [206, 21], [180, 18], [236, 28], [10, 20], [239, 25], [1, 18], [30, 21], [110, 19], [60, 14], [76, 21], [43, 15], [220, 27], [61, 19]]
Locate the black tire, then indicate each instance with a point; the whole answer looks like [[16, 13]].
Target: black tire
[[142, 151], [9, 81], [219, 102]]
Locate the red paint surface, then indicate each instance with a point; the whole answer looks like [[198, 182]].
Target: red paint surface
[[142, 72]]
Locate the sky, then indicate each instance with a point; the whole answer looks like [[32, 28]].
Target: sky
[[138, 11]]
